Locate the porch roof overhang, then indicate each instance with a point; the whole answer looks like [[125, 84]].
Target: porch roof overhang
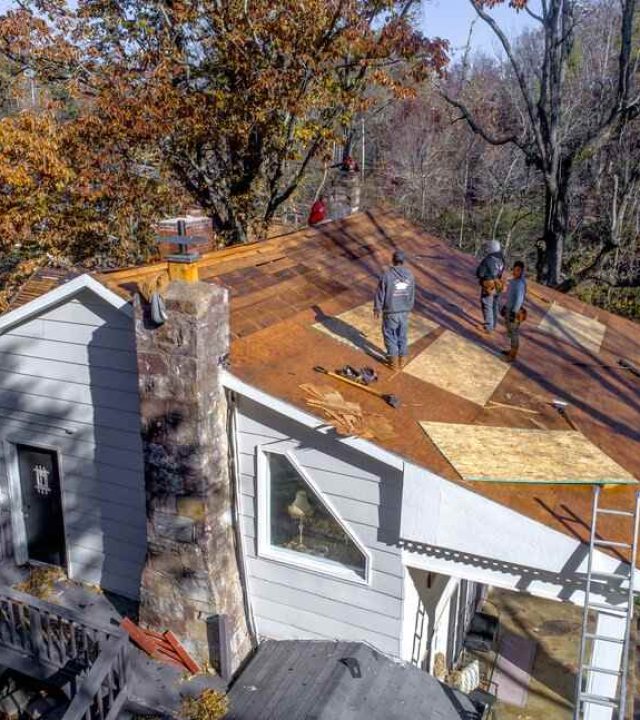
[[448, 529]]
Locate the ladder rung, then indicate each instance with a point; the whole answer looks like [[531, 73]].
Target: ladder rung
[[611, 543], [604, 638], [604, 671], [611, 511], [609, 608], [599, 700], [613, 576]]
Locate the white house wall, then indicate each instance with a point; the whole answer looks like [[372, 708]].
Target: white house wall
[[291, 602], [68, 381]]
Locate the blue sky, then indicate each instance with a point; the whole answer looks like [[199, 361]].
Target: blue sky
[[451, 19]]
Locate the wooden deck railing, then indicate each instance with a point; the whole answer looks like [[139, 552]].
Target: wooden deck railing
[[95, 656], [104, 690]]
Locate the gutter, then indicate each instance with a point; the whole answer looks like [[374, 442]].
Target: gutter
[[232, 427]]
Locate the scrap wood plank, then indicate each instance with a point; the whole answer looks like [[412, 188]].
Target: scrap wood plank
[[162, 646], [523, 455], [187, 660], [139, 636], [495, 404]]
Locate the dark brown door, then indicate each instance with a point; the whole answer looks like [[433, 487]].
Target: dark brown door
[[42, 505]]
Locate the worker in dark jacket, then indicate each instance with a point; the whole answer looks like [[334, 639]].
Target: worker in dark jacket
[[489, 274], [513, 310], [394, 300]]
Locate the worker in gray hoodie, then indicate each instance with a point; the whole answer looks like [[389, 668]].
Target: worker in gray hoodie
[[513, 310], [489, 273], [394, 300]]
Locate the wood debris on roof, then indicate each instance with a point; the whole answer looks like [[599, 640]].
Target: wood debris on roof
[[348, 418], [461, 367], [519, 455]]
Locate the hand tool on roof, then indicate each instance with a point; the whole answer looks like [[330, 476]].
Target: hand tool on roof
[[563, 408], [628, 365], [364, 376], [391, 400]]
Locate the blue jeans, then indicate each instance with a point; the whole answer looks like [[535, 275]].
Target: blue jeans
[[395, 330], [490, 309]]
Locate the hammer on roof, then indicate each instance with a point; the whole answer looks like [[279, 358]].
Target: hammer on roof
[[562, 407], [391, 400]]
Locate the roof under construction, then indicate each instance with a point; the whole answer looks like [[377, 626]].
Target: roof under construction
[[304, 299]]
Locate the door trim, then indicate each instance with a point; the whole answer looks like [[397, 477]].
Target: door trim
[[18, 526]]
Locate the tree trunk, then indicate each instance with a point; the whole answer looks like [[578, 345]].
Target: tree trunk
[[555, 232]]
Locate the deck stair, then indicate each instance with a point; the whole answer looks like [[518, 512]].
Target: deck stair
[[87, 661], [587, 672]]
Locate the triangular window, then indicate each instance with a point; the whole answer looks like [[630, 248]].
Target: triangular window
[[301, 523]]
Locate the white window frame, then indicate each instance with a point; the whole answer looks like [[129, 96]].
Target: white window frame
[[18, 525], [290, 557]]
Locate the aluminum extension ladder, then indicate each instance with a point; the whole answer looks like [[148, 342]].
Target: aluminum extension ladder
[[618, 701]]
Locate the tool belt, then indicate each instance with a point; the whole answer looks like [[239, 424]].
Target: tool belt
[[519, 317], [492, 287]]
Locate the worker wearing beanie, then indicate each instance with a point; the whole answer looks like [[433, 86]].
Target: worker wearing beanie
[[489, 274], [394, 300]]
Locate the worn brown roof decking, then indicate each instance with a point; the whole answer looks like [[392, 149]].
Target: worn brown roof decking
[[281, 287], [41, 282]]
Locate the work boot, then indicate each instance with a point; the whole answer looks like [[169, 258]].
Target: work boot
[[402, 361], [510, 355], [392, 362]]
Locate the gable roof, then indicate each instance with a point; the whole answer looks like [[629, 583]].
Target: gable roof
[[49, 287], [327, 680], [282, 287]]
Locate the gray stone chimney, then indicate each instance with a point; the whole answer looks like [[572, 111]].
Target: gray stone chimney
[[191, 580], [344, 194]]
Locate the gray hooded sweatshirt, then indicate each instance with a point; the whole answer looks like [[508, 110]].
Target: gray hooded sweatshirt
[[396, 291]]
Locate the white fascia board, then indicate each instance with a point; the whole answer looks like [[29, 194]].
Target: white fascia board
[[231, 382], [60, 294]]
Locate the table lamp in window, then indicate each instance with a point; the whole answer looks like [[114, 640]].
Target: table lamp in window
[[300, 509]]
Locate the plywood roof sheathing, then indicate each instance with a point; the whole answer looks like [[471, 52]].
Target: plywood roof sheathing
[[520, 455]]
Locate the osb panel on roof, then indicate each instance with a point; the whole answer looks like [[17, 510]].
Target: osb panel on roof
[[573, 327], [518, 455], [459, 366], [359, 329]]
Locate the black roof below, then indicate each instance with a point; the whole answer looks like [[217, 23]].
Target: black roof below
[[324, 680]]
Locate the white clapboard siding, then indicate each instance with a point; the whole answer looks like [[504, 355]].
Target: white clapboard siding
[[290, 601], [68, 381]]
